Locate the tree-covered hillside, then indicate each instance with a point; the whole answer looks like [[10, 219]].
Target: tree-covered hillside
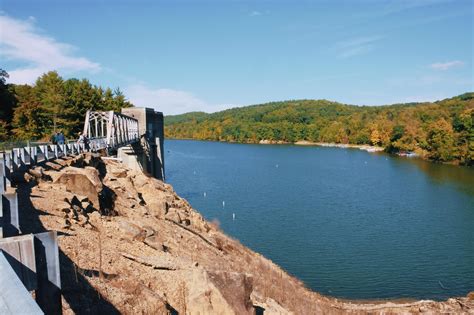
[[52, 103], [441, 131], [176, 119]]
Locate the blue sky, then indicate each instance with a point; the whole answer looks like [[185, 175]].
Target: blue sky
[[179, 56]]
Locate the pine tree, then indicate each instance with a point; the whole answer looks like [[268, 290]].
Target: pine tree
[[81, 96], [108, 99], [54, 111]]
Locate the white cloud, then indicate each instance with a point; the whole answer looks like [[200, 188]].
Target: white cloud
[[255, 13], [446, 65], [21, 41], [167, 101], [356, 46]]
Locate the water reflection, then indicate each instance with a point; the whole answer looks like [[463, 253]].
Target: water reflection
[[460, 177]]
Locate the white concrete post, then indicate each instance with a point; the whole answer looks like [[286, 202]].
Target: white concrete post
[[16, 159], [2, 174]]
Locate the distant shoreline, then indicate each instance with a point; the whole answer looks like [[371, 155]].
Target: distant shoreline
[[364, 147]]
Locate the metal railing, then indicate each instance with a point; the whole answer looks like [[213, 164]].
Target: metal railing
[[7, 146], [28, 156]]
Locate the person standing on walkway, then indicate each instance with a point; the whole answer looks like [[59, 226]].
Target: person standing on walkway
[[53, 138], [60, 138], [83, 139]]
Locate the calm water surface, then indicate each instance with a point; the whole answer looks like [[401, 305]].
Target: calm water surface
[[348, 223]]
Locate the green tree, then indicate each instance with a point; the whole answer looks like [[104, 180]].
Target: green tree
[[50, 92], [52, 104], [3, 77], [7, 105], [119, 101], [80, 96], [108, 102]]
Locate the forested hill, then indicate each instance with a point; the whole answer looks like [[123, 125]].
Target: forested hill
[[441, 131]]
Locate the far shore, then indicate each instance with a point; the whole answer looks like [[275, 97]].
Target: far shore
[[366, 147]]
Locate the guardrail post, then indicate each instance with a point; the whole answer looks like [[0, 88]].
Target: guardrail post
[[27, 155], [43, 149], [51, 150], [10, 221], [16, 159], [3, 175], [22, 156], [33, 155], [8, 168], [48, 294]]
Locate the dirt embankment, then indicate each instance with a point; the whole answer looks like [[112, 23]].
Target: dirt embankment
[[129, 244]]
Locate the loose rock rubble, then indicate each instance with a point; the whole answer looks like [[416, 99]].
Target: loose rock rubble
[[129, 244]]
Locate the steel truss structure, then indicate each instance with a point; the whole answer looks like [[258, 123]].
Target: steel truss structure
[[110, 129]]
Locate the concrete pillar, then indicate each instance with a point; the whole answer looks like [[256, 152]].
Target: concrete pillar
[[134, 157], [151, 130], [159, 162]]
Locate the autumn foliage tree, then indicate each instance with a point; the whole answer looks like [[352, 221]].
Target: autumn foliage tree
[[51, 104], [28, 120], [441, 141]]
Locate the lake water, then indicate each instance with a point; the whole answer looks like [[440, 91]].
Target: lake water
[[348, 223]]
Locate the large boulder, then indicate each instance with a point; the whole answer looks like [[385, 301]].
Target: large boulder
[[82, 181], [236, 289], [217, 293], [153, 194]]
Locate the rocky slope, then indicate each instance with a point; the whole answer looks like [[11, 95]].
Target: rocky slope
[[129, 244]]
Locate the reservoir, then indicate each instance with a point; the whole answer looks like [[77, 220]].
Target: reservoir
[[348, 223]]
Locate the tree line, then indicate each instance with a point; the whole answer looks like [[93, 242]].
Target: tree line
[[35, 112], [441, 131]]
